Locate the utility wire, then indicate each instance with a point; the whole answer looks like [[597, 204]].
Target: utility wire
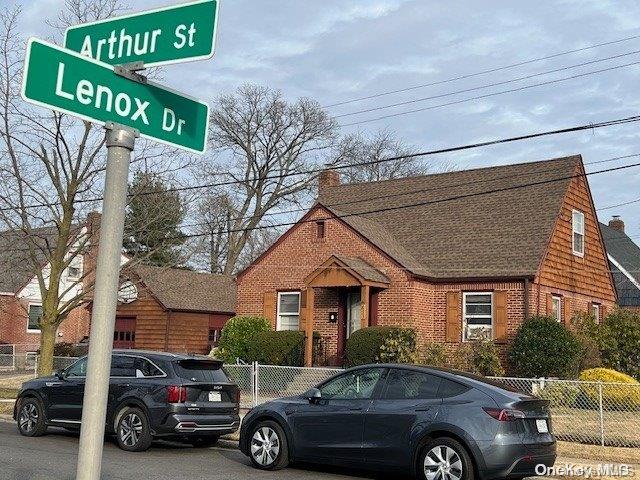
[[578, 128], [619, 205], [487, 85], [488, 95], [483, 72]]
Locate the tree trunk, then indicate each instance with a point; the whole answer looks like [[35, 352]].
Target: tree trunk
[[47, 344]]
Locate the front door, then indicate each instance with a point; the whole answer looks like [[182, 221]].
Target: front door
[[349, 320], [354, 312], [124, 334]]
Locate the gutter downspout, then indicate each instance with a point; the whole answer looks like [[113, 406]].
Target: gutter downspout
[[526, 298]]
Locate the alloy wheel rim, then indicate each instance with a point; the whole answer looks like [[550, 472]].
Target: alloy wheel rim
[[130, 429], [28, 418], [265, 446], [442, 463]]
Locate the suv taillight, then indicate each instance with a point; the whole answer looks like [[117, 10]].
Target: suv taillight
[[504, 414], [177, 394]]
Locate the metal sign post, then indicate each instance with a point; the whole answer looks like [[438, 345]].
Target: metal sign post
[[120, 141]]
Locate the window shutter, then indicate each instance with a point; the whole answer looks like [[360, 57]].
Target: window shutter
[[590, 309], [549, 304], [454, 320], [303, 310], [566, 311], [500, 316], [269, 306]]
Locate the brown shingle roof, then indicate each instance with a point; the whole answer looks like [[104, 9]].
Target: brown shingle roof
[[364, 269], [424, 227], [186, 290]]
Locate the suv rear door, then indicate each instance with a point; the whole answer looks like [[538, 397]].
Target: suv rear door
[[209, 390]]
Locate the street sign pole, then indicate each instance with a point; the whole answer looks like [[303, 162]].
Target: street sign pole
[[120, 141]]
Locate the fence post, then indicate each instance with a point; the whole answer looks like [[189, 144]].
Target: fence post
[[601, 413], [255, 369]]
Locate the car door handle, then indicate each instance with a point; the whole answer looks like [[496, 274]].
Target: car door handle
[[355, 409], [423, 409]]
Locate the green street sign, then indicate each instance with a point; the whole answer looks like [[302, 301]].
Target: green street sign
[[68, 82], [174, 34]]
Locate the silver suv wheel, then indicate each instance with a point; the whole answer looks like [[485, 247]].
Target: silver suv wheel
[[443, 463], [130, 429], [265, 446], [28, 418]]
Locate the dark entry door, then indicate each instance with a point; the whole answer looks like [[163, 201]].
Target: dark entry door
[[124, 335]]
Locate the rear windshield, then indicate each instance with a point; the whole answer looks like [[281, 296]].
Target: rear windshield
[[200, 371]]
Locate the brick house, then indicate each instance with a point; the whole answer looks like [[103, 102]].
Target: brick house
[[456, 256], [20, 300], [172, 309], [624, 261]]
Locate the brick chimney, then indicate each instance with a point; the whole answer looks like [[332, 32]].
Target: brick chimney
[[617, 223], [328, 178]]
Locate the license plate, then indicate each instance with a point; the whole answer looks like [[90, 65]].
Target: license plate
[[215, 397], [542, 426]]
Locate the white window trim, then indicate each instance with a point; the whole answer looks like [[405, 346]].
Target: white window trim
[[597, 308], [577, 253], [465, 316], [32, 330], [559, 299], [288, 314]]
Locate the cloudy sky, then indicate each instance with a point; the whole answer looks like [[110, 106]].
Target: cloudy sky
[[340, 50]]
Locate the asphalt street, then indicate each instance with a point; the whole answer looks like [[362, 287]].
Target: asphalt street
[[53, 457]]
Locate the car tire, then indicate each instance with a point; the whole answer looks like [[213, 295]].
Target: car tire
[[31, 419], [203, 442], [447, 456], [268, 446], [133, 431]]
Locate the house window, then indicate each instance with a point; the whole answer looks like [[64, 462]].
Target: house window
[[74, 270], [288, 311], [320, 229], [477, 321], [556, 308], [214, 337], [35, 313], [578, 233], [595, 311]]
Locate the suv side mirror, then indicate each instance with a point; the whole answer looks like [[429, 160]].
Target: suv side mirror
[[313, 395], [60, 374]]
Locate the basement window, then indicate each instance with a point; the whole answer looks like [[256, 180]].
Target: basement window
[[578, 233], [477, 321], [320, 229]]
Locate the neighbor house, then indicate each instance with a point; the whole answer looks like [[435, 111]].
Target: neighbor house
[[20, 299], [457, 256], [624, 261], [172, 309]]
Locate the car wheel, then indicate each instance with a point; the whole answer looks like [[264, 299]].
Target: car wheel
[[203, 442], [268, 446], [133, 431], [31, 421], [444, 459]]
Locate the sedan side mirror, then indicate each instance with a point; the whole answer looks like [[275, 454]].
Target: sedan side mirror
[[313, 395]]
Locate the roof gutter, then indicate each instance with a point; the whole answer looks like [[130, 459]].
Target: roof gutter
[[513, 278]]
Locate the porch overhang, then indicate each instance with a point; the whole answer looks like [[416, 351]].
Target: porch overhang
[[340, 271]]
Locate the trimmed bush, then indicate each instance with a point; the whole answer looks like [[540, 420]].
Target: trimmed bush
[[380, 344], [543, 347], [479, 357], [586, 330], [277, 348], [619, 341], [559, 394], [236, 335], [613, 396]]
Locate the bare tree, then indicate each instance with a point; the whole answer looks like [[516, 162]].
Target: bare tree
[[266, 145], [51, 174], [364, 154]]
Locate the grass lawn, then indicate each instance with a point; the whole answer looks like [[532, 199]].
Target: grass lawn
[[621, 428], [6, 408], [14, 381]]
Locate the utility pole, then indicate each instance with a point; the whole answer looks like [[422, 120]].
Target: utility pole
[[120, 142]]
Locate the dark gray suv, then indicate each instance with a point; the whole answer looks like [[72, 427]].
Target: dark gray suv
[[151, 395], [437, 424]]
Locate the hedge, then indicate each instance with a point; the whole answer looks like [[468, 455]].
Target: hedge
[[381, 345], [613, 396], [236, 335], [277, 348]]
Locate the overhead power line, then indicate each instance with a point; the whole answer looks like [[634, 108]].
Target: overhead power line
[[487, 85], [493, 94], [483, 72], [619, 205], [578, 128]]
